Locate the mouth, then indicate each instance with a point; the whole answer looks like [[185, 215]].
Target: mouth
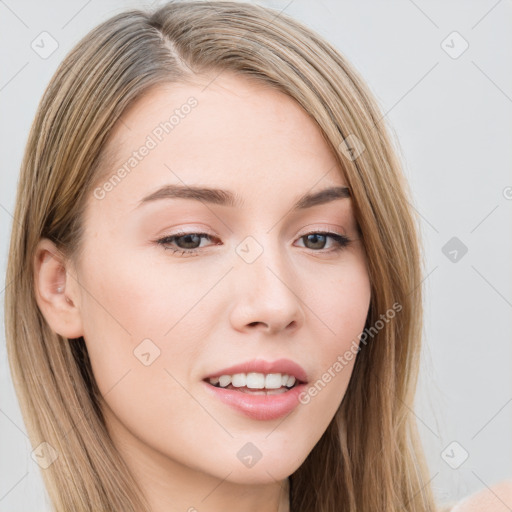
[[255, 383], [259, 389]]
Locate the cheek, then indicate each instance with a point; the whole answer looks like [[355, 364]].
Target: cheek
[[130, 297], [341, 301], [342, 307], [140, 319], [139, 340], [119, 308]]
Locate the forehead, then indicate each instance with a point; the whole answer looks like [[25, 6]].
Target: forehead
[[228, 132]]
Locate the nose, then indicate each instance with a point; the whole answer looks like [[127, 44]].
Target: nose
[[266, 295]]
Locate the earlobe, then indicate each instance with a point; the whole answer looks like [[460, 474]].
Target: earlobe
[[56, 295]]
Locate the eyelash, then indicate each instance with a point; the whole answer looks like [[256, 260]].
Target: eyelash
[[341, 240]]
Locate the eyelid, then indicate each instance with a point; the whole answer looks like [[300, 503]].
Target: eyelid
[[187, 230], [320, 228], [183, 231]]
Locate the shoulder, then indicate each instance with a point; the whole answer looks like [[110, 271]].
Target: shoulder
[[497, 498]]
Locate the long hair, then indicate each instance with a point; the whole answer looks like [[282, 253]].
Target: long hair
[[370, 456]]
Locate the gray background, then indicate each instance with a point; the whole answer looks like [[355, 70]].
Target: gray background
[[452, 118]]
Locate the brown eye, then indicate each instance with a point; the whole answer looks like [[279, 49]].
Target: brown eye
[[183, 243], [317, 240], [189, 241]]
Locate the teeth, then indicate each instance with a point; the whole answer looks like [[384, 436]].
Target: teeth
[[239, 380], [254, 380], [273, 381], [224, 380]]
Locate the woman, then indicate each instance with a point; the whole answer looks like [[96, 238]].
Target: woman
[[216, 282]]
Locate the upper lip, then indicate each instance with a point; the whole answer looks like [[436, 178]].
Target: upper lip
[[283, 366]]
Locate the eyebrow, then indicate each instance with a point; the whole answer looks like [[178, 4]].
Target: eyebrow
[[227, 198]]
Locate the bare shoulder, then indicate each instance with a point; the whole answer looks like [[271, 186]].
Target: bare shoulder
[[497, 498]]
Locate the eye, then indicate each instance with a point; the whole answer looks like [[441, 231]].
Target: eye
[[188, 244], [319, 238]]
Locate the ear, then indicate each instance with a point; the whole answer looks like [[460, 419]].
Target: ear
[[56, 290]]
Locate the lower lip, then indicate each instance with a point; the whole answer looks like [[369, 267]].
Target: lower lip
[[259, 407]]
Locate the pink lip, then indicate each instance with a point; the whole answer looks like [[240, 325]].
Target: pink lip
[[283, 366], [259, 407]]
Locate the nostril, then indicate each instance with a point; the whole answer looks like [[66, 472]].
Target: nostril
[[253, 324]]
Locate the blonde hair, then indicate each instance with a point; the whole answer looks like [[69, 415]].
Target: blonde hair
[[370, 456]]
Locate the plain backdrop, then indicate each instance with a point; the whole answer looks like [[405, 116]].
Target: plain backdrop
[[441, 72]]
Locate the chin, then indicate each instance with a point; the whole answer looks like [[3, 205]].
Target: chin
[[279, 464]]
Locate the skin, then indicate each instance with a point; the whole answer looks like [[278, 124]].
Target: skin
[[299, 299], [497, 498]]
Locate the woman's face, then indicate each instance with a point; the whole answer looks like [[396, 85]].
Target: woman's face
[[162, 310]]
